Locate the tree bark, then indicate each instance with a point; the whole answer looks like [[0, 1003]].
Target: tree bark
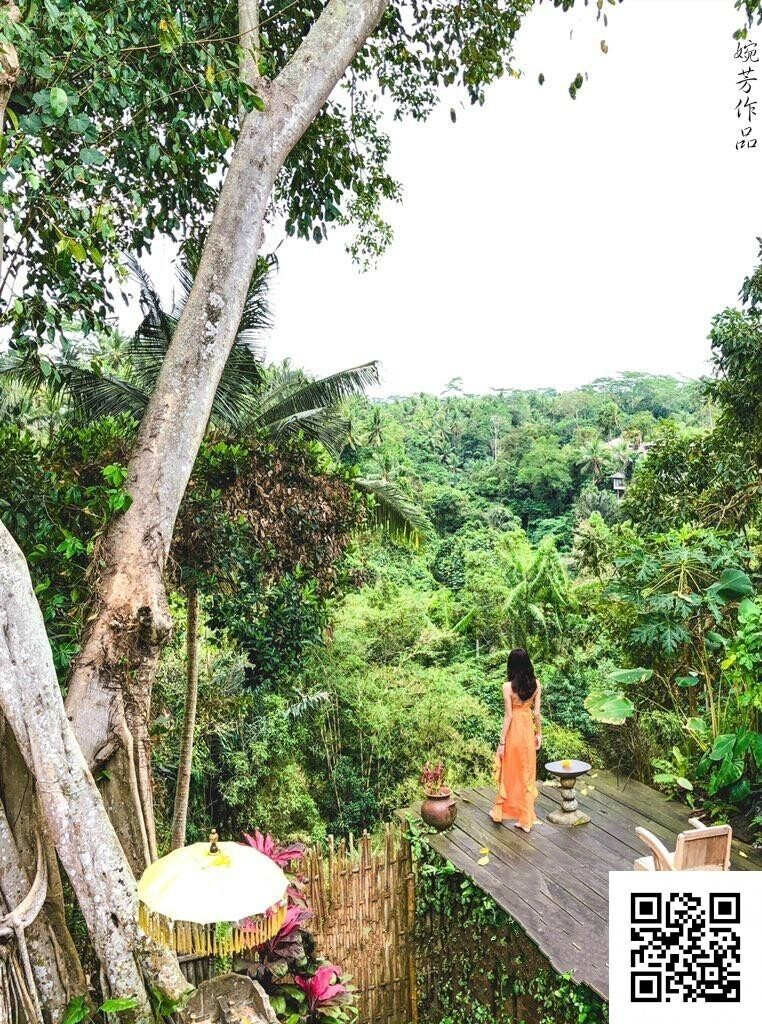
[[185, 763], [110, 688], [72, 809], [248, 31], [9, 72]]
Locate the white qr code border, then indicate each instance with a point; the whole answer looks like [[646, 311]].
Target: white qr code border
[[685, 947]]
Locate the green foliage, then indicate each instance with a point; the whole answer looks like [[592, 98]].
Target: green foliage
[[57, 497], [247, 756], [98, 156], [80, 1009]]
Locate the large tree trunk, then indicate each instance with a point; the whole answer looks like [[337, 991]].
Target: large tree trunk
[[110, 688], [70, 805], [185, 763]]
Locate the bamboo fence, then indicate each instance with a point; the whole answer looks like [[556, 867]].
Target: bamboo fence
[[364, 919]]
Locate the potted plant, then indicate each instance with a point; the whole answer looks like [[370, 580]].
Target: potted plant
[[438, 808]]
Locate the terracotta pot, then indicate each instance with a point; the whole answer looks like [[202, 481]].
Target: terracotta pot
[[440, 810]]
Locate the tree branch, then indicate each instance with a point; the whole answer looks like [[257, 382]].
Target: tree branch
[[248, 40]]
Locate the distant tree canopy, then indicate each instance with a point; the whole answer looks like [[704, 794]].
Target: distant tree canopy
[[541, 458]]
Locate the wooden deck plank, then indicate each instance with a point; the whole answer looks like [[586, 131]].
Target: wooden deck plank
[[554, 881], [591, 866], [640, 798], [561, 938], [581, 897]]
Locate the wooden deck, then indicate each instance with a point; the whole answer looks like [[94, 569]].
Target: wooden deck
[[554, 881]]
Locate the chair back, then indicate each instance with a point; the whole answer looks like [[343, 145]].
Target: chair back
[[704, 849]]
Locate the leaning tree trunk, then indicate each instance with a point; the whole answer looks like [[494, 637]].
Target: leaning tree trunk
[[110, 688], [185, 763], [69, 801]]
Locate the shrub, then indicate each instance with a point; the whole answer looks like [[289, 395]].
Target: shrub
[[559, 743]]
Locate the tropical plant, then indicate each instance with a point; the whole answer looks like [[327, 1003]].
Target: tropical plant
[[593, 459], [329, 996], [433, 778], [283, 856]]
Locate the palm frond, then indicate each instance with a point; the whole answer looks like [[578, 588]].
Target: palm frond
[[323, 425], [94, 395], [394, 512], [27, 373], [149, 299], [239, 386], [306, 702], [256, 317], [294, 393]]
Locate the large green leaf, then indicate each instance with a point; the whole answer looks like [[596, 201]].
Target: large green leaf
[[119, 1005], [697, 725], [755, 746], [613, 708], [628, 676], [76, 1011], [59, 101], [739, 791], [723, 745], [732, 585], [686, 681], [729, 771]]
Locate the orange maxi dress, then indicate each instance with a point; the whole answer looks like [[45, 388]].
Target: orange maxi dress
[[516, 771]]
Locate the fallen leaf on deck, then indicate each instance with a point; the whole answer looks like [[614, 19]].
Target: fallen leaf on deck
[[482, 861], [484, 849], [742, 854]]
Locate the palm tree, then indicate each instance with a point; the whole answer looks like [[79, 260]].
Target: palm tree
[[593, 459], [375, 435]]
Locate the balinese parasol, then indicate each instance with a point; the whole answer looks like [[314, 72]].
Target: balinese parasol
[[212, 899]]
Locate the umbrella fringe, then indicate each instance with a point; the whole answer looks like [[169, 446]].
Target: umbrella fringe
[[189, 938]]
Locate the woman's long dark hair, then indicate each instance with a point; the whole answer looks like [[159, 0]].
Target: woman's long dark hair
[[521, 673]]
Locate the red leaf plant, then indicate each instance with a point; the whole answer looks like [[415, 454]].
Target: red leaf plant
[[282, 855], [433, 778], [284, 952], [328, 996]]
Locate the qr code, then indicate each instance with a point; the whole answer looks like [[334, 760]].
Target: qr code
[[684, 947]]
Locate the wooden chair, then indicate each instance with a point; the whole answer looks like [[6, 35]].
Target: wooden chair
[[701, 849]]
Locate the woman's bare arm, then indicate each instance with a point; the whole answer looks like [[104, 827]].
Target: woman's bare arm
[[506, 717], [537, 718]]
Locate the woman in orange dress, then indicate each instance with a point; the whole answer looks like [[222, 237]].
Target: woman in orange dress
[[515, 759]]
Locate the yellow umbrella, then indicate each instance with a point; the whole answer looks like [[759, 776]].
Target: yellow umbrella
[[212, 899]]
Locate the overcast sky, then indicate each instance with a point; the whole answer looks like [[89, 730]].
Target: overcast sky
[[545, 242]]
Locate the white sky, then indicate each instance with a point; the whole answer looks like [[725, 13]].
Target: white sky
[[545, 242]]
